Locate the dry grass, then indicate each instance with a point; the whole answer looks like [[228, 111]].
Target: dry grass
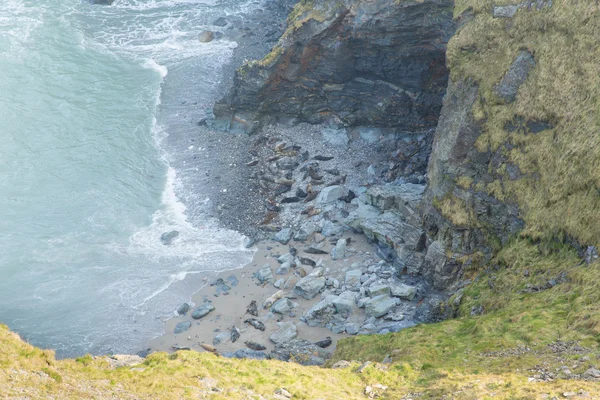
[[560, 188]]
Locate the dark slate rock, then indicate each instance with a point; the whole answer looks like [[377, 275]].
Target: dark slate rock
[[246, 353], [516, 76]]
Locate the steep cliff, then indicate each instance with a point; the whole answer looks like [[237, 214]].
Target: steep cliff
[[350, 63], [517, 146]]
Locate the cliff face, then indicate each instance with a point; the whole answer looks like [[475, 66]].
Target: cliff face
[[517, 145], [351, 63]]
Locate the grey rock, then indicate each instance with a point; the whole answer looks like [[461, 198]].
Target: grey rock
[[286, 258], [306, 231], [352, 278], [336, 137], [339, 251], [182, 327], [329, 195], [516, 76], [508, 11], [403, 291], [320, 314], [279, 283], [379, 306], [352, 328], [345, 303], [247, 354], [592, 373], [206, 36], [309, 286], [167, 237], [377, 289], [332, 229], [183, 309], [301, 351], [286, 332], [265, 274], [282, 306], [202, 310], [284, 269], [284, 236]]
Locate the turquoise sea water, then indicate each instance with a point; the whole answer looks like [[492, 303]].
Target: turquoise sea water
[[88, 96]]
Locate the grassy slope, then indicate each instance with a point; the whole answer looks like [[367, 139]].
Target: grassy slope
[[452, 358], [559, 192]]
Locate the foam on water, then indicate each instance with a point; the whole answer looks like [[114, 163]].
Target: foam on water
[[87, 182]]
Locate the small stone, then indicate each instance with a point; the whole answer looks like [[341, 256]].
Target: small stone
[[167, 237], [341, 364], [283, 392], [284, 269], [377, 289], [282, 306], [592, 373], [279, 283], [202, 311], [182, 327], [352, 278], [306, 231], [222, 337], [345, 303]]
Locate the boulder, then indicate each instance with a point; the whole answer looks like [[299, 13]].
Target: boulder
[[345, 303], [352, 278], [377, 289], [206, 36], [352, 328], [182, 327], [330, 195], [516, 76], [339, 251], [379, 306], [309, 286], [167, 237], [247, 353], [306, 231], [403, 291], [301, 351], [320, 314], [284, 236], [222, 337], [332, 229], [202, 311], [265, 274], [183, 309], [284, 268], [286, 332], [282, 306]]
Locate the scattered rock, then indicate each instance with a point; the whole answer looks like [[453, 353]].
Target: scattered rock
[[183, 309], [320, 314], [167, 237], [284, 393], [352, 278], [309, 286], [286, 332], [403, 291], [301, 351], [379, 306], [279, 283], [515, 77], [339, 251], [265, 274], [306, 231], [352, 328], [202, 311], [222, 337], [206, 36], [282, 306], [182, 327], [592, 373], [247, 354], [345, 303], [377, 289], [124, 360], [284, 236], [330, 194], [342, 364]]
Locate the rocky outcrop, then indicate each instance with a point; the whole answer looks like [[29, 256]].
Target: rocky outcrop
[[349, 63]]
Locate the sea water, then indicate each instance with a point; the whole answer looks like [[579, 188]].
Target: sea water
[[89, 179]]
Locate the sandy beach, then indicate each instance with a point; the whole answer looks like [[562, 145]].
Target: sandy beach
[[230, 306]]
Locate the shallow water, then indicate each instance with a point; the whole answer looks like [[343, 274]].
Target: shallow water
[[90, 96]]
